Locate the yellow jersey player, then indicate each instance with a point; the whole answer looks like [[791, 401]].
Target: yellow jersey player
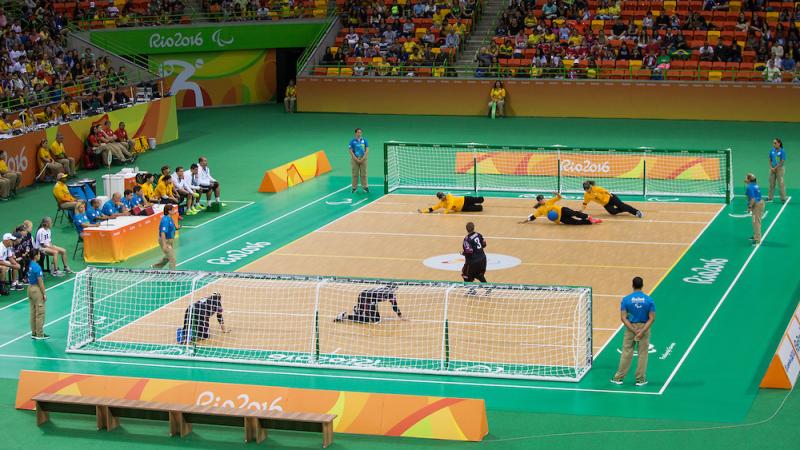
[[559, 214], [609, 201], [452, 204]]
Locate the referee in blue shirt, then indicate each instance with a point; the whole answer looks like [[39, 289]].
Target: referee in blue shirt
[[777, 163], [637, 312], [166, 238], [755, 204], [359, 149], [37, 296]]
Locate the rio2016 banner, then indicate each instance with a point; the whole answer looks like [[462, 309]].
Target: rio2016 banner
[[156, 119], [610, 165], [199, 80], [459, 419], [224, 37]]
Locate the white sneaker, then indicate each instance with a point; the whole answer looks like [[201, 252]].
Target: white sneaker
[[340, 316], [56, 273], [68, 270], [641, 382], [639, 214], [615, 381]]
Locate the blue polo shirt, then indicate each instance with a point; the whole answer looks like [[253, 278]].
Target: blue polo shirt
[[80, 219], [167, 226], [776, 155], [638, 306], [134, 201], [34, 273], [358, 147], [109, 208], [753, 192], [93, 214]]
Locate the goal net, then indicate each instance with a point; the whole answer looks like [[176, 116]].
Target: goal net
[[517, 331], [473, 167]]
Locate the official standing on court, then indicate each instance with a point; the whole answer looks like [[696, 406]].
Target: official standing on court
[[166, 238], [37, 296], [637, 312], [755, 204], [777, 161], [359, 149]]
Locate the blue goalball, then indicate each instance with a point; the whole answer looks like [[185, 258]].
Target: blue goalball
[[552, 215]]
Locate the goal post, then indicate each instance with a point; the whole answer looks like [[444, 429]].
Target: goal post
[[487, 330], [479, 167]]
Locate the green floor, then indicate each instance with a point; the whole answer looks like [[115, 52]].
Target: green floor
[[716, 383]]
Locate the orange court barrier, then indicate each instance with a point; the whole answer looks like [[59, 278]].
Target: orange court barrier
[[295, 172], [416, 416], [118, 239], [784, 368]]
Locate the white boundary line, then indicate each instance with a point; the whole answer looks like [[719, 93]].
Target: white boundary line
[[194, 227], [291, 373], [722, 300], [497, 216], [691, 244]]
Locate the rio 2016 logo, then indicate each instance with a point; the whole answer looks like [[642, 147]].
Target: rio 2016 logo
[[209, 398], [181, 40], [18, 163], [585, 166]]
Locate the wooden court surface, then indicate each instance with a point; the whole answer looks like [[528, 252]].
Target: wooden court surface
[[389, 239]]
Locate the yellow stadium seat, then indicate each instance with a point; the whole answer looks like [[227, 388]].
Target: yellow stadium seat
[[670, 6], [333, 71], [713, 37], [436, 50], [568, 63], [419, 32], [597, 25], [401, 2], [347, 72], [377, 60], [772, 16], [334, 50], [656, 13], [635, 64], [735, 6], [715, 75], [638, 23]]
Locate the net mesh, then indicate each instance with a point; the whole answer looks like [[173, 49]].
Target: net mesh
[[518, 331], [542, 169]]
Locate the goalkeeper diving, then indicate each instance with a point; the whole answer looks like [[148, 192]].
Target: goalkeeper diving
[[452, 204], [559, 214], [366, 310], [197, 319], [609, 201]]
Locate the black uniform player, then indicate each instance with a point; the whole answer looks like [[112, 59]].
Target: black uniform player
[[366, 311], [197, 318], [474, 255]]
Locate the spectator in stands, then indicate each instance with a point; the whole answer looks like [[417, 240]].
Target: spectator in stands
[[550, 10], [121, 97], [122, 136], [497, 99], [9, 180], [741, 23], [48, 167], [9, 268], [62, 195], [43, 242], [114, 207], [106, 135], [59, 154], [706, 52], [290, 99], [208, 183], [772, 73], [69, 107]]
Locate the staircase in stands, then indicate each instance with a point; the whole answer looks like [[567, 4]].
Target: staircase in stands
[[482, 33]]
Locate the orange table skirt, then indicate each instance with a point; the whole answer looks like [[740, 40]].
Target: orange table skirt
[[111, 246]]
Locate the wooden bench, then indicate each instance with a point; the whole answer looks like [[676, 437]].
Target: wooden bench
[[181, 417]]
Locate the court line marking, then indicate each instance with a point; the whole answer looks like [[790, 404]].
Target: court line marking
[[532, 199], [213, 248], [190, 259], [724, 297], [649, 211], [310, 255], [194, 227], [290, 373], [497, 216], [685, 251], [509, 238]]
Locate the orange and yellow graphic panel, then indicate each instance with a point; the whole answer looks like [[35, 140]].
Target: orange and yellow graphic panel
[[295, 172], [357, 412], [610, 165]]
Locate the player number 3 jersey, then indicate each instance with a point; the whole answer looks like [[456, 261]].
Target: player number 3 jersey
[[474, 245]]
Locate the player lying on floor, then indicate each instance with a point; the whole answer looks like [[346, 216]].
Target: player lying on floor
[[197, 318], [558, 213], [607, 200], [453, 204], [366, 310]]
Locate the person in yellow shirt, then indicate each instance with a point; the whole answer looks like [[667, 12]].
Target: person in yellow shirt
[[69, 107], [530, 20], [5, 126], [165, 191], [59, 154], [497, 101], [48, 167], [61, 192], [27, 118], [609, 201], [9, 181], [453, 204], [290, 99], [557, 213], [575, 39], [147, 188]]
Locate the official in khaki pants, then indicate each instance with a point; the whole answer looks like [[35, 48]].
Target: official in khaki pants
[[359, 149], [166, 238], [37, 296], [755, 204], [777, 163], [637, 312], [9, 181]]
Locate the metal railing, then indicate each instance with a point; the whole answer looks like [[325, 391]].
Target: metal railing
[[310, 49]]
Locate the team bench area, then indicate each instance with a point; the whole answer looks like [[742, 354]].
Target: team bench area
[[181, 417]]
